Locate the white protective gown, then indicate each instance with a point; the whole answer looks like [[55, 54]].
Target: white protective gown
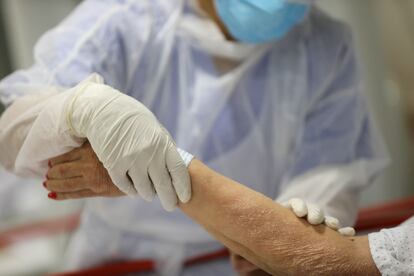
[[287, 118]]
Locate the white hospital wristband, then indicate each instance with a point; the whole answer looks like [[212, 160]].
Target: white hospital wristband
[[187, 157]]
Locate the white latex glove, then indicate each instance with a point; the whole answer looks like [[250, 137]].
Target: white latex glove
[[137, 151], [139, 154], [316, 216]]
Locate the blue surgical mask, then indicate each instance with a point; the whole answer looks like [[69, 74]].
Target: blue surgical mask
[[260, 21]]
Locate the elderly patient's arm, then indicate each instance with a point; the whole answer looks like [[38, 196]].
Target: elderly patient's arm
[[269, 235], [249, 223]]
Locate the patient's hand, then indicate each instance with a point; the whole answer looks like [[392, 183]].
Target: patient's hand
[[79, 174]]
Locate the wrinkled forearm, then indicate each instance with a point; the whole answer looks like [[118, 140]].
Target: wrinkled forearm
[[269, 235]]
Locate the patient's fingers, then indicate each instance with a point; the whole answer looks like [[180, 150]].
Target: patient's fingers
[[73, 195], [66, 170], [66, 185], [72, 155], [83, 194]]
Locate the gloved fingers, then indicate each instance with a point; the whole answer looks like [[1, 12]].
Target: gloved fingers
[[70, 156], [163, 186], [298, 207], [142, 182], [72, 195], [179, 174], [123, 182], [332, 222], [315, 215], [65, 170], [66, 185], [162, 183], [347, 231]]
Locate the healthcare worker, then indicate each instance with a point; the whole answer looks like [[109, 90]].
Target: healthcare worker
[[264, 92]]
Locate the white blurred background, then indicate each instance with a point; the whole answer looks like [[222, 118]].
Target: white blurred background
[[385, 43]]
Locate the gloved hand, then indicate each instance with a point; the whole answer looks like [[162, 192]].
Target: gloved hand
[[139, 154], [136, 150], [79, 174], [316, 216]]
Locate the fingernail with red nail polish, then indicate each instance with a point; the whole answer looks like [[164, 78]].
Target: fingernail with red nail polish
[[52, 195]]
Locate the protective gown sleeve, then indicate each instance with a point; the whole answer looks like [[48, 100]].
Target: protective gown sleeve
[[94, 38], [35, 129], [393, 249], [339, 150], [107, 37]]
